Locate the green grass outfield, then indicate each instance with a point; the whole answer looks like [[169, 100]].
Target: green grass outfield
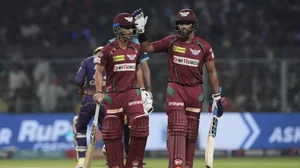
[[282, 162]]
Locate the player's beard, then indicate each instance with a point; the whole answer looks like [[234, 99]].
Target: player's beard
[[184, 33]]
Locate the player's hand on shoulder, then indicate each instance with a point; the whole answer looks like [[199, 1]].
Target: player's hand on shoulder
[[98, 97], [220, 102], [140, 20], [147, 100]]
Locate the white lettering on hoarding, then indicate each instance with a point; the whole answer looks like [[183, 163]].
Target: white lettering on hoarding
[[285, 135], [5, 136], [32, 131]]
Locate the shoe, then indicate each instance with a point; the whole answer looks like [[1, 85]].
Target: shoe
[[80, 163]]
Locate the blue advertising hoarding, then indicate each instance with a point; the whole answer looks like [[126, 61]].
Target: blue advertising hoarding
[[277, 131], [47, 132], [235, 131]]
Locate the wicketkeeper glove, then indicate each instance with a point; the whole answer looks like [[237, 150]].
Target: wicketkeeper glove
[[220, 102], [140, 20], [147, 100]]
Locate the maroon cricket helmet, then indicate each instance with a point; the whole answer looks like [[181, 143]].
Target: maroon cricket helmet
[[186, 16], [124, 20]]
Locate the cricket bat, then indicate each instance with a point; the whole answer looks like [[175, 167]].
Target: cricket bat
[[210, 144], [91, 147]]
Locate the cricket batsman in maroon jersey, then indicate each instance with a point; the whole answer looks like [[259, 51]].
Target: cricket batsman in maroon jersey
[[187, 53], [120, 59]]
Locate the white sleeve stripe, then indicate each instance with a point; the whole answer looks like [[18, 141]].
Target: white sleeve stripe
[[144, 59]]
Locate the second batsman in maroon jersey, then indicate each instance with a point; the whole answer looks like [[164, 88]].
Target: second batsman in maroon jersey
[[187, 53], [120, 60]]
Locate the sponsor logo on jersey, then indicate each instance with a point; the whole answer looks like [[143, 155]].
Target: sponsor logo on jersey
[[124, 67], [92, 82], [194, 51], [186, 61], [118, 58], [179, 49], [131, 57], [134, 103], [176, 104]]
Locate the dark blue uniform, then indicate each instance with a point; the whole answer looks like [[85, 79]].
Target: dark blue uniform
[[85, 78]]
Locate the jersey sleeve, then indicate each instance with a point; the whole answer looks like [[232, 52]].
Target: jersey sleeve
[[144, 57], [209, 54], [103, 57], [81, 73], [111, 40], [162, 45]]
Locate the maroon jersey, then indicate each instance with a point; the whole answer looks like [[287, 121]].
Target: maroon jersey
[[120, 66], [185, 59]]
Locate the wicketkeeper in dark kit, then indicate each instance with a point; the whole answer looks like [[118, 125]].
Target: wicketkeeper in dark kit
[[85, 80], [187, 53], [122, 94]]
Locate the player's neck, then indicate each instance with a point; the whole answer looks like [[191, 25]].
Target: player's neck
[[122, 43], [190, 38]]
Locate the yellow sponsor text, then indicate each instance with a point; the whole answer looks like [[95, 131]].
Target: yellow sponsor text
[[179, 49], [118, 58]]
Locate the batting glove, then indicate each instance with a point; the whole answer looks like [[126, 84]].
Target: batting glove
[[140, 20], [221, 104]]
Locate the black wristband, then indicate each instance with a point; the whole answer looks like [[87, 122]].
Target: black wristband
[[99, 92], [142, 38]]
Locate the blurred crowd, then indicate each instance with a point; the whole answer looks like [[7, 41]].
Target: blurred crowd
[[43, 42]]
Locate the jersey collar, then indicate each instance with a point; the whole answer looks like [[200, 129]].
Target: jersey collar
[[116, 44]]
